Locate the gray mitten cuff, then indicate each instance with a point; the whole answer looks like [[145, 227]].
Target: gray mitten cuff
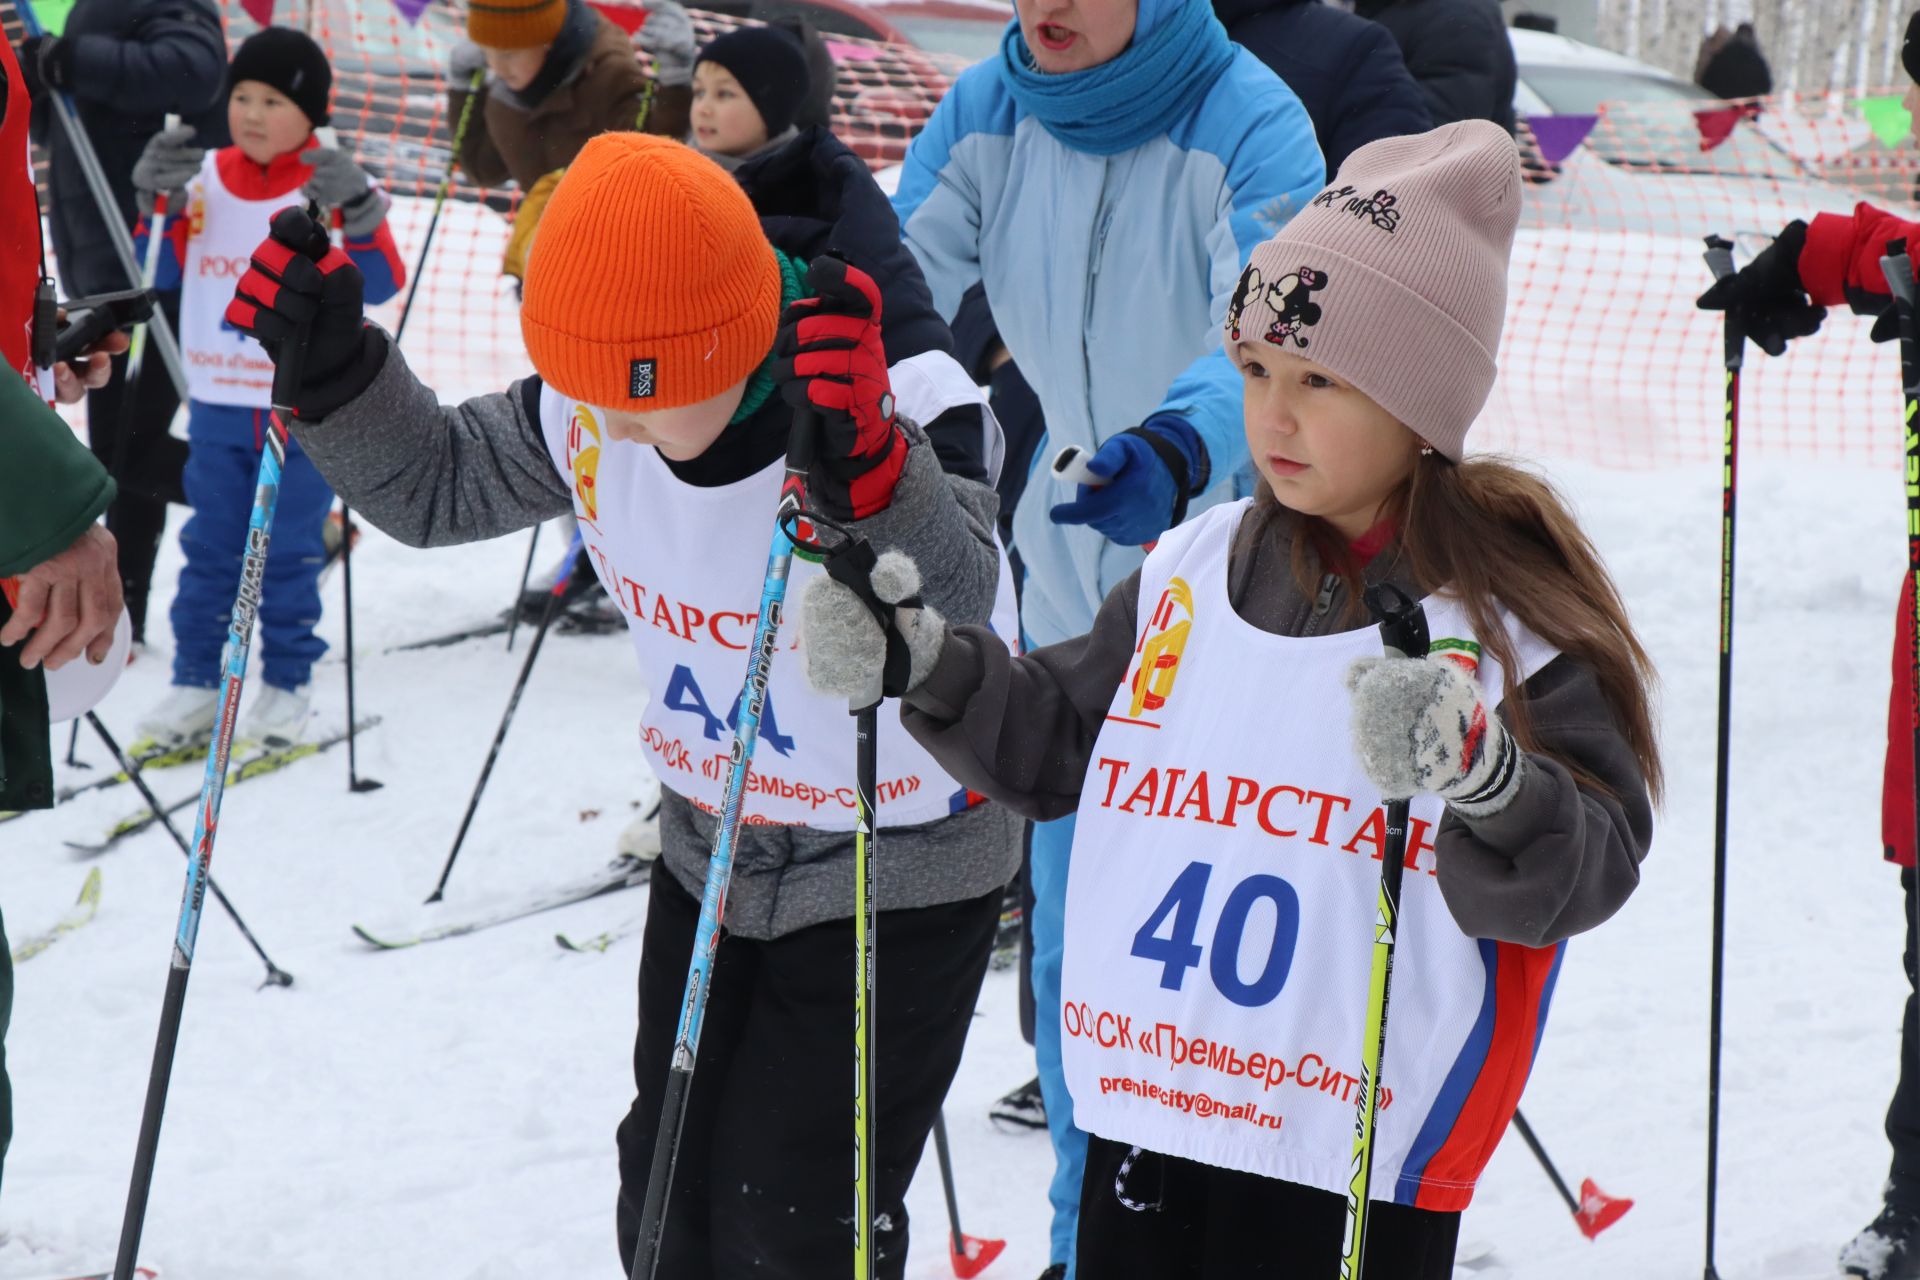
[[846, 648]]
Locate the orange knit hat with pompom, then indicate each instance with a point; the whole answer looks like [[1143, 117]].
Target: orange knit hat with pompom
[[650, 284]]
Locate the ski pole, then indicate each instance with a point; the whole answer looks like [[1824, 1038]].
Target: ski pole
[[706, 939], [1898, 268], [1403, 632], [506, 720], [440, 199], [1595, 1210], [104, 202], [526, 572], [865, 931], [286, 382], [276, 976], [137, 343], [970, 1255], [1719, 257], [73, 743]]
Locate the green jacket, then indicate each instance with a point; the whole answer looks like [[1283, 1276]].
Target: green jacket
[[51, 489]]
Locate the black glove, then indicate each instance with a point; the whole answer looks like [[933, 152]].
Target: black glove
[[47, 63], [298, 285], [1765, 297]]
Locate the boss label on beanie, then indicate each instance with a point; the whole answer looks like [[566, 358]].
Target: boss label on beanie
[[640, 379]]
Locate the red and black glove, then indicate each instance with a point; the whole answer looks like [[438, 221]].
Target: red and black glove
[[829, 359], [299, 282]]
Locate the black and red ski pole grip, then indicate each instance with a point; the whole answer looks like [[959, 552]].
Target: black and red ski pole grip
[[289, 370], [1719, 258]]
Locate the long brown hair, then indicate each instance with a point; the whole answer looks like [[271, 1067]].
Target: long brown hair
[[1491, 534]]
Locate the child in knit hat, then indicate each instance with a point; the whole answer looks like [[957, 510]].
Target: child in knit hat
[[1229, 733], [676, 337], [748, 87], [220, 204]]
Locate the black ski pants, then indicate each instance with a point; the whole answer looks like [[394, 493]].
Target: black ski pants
[[1197, 1222], [1903, 1115], [146, 468], [764, 1186]]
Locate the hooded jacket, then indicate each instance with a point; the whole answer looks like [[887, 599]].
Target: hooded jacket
[[1108, 276], [1458, 51], [604, 94], [1346, 71]]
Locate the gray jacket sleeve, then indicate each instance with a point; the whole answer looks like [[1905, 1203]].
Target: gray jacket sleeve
[[1564, 856], [432, 475], [946, 525], [1021, 730]]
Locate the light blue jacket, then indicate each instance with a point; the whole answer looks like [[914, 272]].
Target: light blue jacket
[[1109, 278]]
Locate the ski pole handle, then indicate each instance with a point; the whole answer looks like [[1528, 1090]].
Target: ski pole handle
[[1402, 621], [1719, 258], [1070, 465]]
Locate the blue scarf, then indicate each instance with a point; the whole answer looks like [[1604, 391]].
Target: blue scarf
[[1155, 82]]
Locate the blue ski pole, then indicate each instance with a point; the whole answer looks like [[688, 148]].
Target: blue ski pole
[[206, 821], [706, 938]]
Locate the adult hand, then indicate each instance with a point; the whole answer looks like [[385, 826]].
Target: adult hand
[[1147, 475], [167, 164], [72, 380], [1766, 298], [47, 63], [68, 605]]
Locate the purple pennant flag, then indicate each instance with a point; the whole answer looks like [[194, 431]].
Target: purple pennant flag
[[412, 9], [1557, 136]]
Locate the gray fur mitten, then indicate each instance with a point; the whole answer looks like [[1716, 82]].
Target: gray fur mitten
[[1421, 728], [847, 650]]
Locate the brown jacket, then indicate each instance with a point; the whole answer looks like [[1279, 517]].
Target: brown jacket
[[605, 95], [1558, 860]]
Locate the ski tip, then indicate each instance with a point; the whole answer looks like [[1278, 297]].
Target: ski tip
[[1598, 1210], [975, 1257], [380, 944], [90, 889]]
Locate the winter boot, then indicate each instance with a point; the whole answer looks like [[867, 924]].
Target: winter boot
[[278, 716], [1023, 1107], [186, 714], [1058, 1271], [1888, 1249]]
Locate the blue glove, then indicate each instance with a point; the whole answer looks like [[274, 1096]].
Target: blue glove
[[1150, 473]]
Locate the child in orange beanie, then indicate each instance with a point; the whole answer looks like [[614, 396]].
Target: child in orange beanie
[[674, 334]]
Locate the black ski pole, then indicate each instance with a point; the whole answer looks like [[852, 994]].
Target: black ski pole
[[970, 1255], [526, 572], [1720, 261], [440, 199], [73, 745], [1593, 1210], [500, 735], [276, 976], [355, 783]]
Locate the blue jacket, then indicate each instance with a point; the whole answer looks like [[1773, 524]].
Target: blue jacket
[[1109, 277], [1347, 71]]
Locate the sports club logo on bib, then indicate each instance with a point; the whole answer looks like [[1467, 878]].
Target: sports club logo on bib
[[584, 463], [1464, 652], [1157, 656]]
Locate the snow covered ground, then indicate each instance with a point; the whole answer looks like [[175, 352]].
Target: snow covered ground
[[449, 1111]]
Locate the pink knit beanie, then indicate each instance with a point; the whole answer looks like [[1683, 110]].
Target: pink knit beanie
[[1395, 276]]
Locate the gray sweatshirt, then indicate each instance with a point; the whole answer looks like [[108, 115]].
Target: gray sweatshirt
[[433, 475], [1560, 859]]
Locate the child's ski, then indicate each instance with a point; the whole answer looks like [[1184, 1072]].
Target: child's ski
[[265, 761], [139, 1273], [600, 941], [82, 911], [622, 873], [498, 627]]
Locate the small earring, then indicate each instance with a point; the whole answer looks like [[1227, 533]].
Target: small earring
[[1426, 451]]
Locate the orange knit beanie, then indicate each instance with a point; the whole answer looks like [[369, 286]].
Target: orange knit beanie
[[515, 24], [650, 284]]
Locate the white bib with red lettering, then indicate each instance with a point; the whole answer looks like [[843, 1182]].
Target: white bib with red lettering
[[1221, 907], [686, 564], [224, 366]]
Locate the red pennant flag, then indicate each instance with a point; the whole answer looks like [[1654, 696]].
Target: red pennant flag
[[1717, 125], [629, 18], [261, 11]]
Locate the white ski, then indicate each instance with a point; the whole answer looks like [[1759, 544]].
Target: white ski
[[622, 873]]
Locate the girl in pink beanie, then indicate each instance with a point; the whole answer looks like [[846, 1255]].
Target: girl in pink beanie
[[1229, 733]]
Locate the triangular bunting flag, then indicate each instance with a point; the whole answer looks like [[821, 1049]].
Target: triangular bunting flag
[[1888, 118], [52, 14], [411, 10], [1716, 125], [1557, 136], [629, 18], [261, 11]]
